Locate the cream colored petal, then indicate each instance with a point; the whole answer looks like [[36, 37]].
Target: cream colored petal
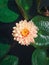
[[33, 29]]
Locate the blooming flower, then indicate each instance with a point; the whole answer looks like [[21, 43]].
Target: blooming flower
[[25, 32]]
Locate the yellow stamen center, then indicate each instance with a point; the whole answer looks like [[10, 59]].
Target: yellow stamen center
[[24, 32]]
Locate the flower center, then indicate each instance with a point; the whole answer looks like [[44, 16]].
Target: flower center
[[24, 32]]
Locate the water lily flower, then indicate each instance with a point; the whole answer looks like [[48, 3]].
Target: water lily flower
[[24, 32]]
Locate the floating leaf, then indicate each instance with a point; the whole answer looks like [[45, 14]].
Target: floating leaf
[[39, 57], [24, 6], [4, 48], [43, 34], [47, 61], [9, 60], [6, 15]]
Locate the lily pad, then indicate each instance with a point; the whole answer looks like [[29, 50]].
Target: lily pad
[[6, 15], [47, 61], [9, 60], [4, 48], [39, 57], [43, 34]]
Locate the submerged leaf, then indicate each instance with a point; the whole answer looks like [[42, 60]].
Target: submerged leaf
[[24, 6], [42, 6]]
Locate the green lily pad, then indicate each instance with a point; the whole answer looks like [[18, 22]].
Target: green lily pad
[[43, 34], [39, 57], [4, 48], [24, 6], [47, 61], [9, 60], [6, 15]]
